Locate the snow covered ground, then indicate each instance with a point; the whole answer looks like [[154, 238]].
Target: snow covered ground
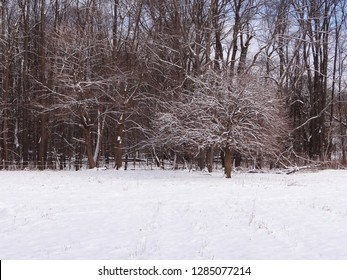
[[111, 214]]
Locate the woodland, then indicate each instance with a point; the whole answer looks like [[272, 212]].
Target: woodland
[[92, 83]]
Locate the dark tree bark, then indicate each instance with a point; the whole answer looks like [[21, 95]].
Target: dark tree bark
[[119, 142], [202, 159], [86, 126], [5, 52], [43, 142], [227, 162], [209, 158]]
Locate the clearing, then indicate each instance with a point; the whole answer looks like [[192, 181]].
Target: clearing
[[94, 214]]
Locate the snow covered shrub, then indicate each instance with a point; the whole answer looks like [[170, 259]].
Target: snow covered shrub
[[239, 114]]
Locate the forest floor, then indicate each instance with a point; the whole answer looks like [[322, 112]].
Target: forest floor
[[134, 214]]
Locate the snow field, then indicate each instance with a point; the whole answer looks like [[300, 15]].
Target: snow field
[[112, 214]]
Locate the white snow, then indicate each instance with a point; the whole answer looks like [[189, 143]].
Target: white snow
[[172, 215]]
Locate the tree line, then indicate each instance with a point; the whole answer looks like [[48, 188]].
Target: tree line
[[260, 81]]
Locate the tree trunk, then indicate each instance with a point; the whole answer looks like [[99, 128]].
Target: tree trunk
[[227, 162], [25, 137], [209, 158], [119, 143], [43, 143], [25, 87], [99, 139], [86, 125], [156, 158], [237, 158], [202, 158], [235, 36], [4, 51], [343, 148], [89, 147], [5, 127]]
